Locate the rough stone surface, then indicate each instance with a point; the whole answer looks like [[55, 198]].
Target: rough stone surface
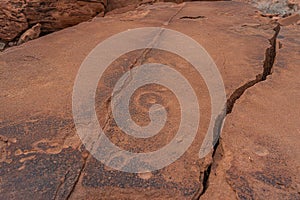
[[258, 156], [30, 34], [293, 19], [275, 7], [12, 19], [17, 15], [41, 156], [115, 4]]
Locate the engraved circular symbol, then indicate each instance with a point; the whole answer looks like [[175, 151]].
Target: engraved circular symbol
[[91, 71]]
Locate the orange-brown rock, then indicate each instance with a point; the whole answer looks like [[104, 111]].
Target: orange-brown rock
[[115, 4], [259, 153], [292, 19], [12, 19], [17, 15], [30, 34], [41, 156]]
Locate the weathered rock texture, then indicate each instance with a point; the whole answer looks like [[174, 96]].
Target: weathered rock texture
[[114, 4], [257, 157], [259, 153], [30, 34], [12, 19], [18, 15], [283, 7]]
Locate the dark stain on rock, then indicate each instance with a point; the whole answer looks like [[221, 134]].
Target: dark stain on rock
[[42, 177], [36, 129], [37, 166], [276, 180], [239, 184], [98, 176]]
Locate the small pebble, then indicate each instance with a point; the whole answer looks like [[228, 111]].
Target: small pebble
[[145, 176], [275, 18], [2, 46], [11, 44]]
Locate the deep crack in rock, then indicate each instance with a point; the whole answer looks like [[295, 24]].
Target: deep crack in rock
[[85, 159], [193, 17], [270, 56]]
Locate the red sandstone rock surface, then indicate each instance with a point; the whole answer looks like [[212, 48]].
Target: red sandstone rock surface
[[17, 15], [257, 156]]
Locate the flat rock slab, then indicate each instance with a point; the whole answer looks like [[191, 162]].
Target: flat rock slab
[[41, 154], [258, 157]]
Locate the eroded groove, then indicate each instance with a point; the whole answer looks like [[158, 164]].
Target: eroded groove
[[61, 184], [85, 159], [204, 175], [192, 17], [208, 170], [270, 55]]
